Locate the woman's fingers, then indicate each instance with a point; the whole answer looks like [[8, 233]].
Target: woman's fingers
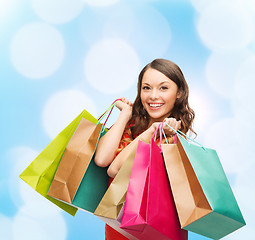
[[172, 122], [123, 103], [119, 105], [127, 101]]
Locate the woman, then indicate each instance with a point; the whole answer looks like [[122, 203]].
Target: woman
[[162, 96]]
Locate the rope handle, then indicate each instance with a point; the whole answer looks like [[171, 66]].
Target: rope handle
[[159, 128], [181, 134], [108, 112]]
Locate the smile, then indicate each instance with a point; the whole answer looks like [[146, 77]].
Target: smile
[[155, 105]]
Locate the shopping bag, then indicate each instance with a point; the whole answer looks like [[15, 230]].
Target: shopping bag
[[39, 174], [115, 196], [204, 200], [110, 207], [78, 180], [115, 224], [149, 211]]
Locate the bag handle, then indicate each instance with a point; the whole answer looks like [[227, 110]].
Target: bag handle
[[160, 129], [181, 134], [108, 111], [160, 133]]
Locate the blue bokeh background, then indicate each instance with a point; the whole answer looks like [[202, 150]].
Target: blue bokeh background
[[58, 57]]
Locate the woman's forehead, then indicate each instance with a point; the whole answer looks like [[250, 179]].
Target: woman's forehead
[[154, 76]]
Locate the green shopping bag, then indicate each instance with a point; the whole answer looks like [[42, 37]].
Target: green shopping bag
[[92, 187], [39, 174], [204, 200]]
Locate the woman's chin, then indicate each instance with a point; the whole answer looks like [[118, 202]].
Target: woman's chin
[[157, 118]]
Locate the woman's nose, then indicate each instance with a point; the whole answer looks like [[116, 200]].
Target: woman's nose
[[154, 94]]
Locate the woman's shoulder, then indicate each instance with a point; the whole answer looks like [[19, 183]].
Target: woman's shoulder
[[128, 131], [126, 137], [127, 134], [130, 124]]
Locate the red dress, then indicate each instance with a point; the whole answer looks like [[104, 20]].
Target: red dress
[[110, 233]]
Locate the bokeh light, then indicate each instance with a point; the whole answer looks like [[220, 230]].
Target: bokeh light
[[6, 227], [57, 11], [21, 157], [244, 81], [222, 70], [37, 50], [200, 103], [111, 66], [222, 137], [100, 3], [224, 27], [151, 35], [38, 226], [201, 5], [61, 57], [63, 107]]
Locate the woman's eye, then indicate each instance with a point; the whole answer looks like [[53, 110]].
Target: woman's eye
[[164, 88], [146, 88]]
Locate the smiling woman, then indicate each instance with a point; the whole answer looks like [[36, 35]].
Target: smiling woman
[[162, 82], [158, 95], [162, 96]]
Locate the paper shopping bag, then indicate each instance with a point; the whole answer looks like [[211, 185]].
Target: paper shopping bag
[[110, 208], [149, 211], [115, 224], [77, 166], [78, 180], [39, 174], [204, 199], [115, 195], [92, 188]]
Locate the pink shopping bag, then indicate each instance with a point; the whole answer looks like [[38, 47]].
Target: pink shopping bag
[[149, 211]]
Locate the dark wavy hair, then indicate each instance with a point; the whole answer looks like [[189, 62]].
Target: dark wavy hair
[[181, 110]]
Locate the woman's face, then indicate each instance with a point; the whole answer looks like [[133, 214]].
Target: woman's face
[[158, 94]]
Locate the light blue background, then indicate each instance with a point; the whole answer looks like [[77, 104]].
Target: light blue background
[[212, 42]]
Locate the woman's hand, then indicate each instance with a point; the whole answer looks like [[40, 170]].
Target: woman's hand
[[176, 125], [125, 106], [147, 134], [172, 122], [108, 144]]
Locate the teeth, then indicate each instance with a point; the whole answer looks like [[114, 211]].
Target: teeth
[[156, 105]]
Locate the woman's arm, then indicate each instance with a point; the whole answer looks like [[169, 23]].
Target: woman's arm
[[145, 136], [109, 143], [118, 162]]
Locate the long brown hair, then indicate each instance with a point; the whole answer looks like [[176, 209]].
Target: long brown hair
[[181, 110]]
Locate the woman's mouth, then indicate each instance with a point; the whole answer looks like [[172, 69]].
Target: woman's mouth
[[155, 106]]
